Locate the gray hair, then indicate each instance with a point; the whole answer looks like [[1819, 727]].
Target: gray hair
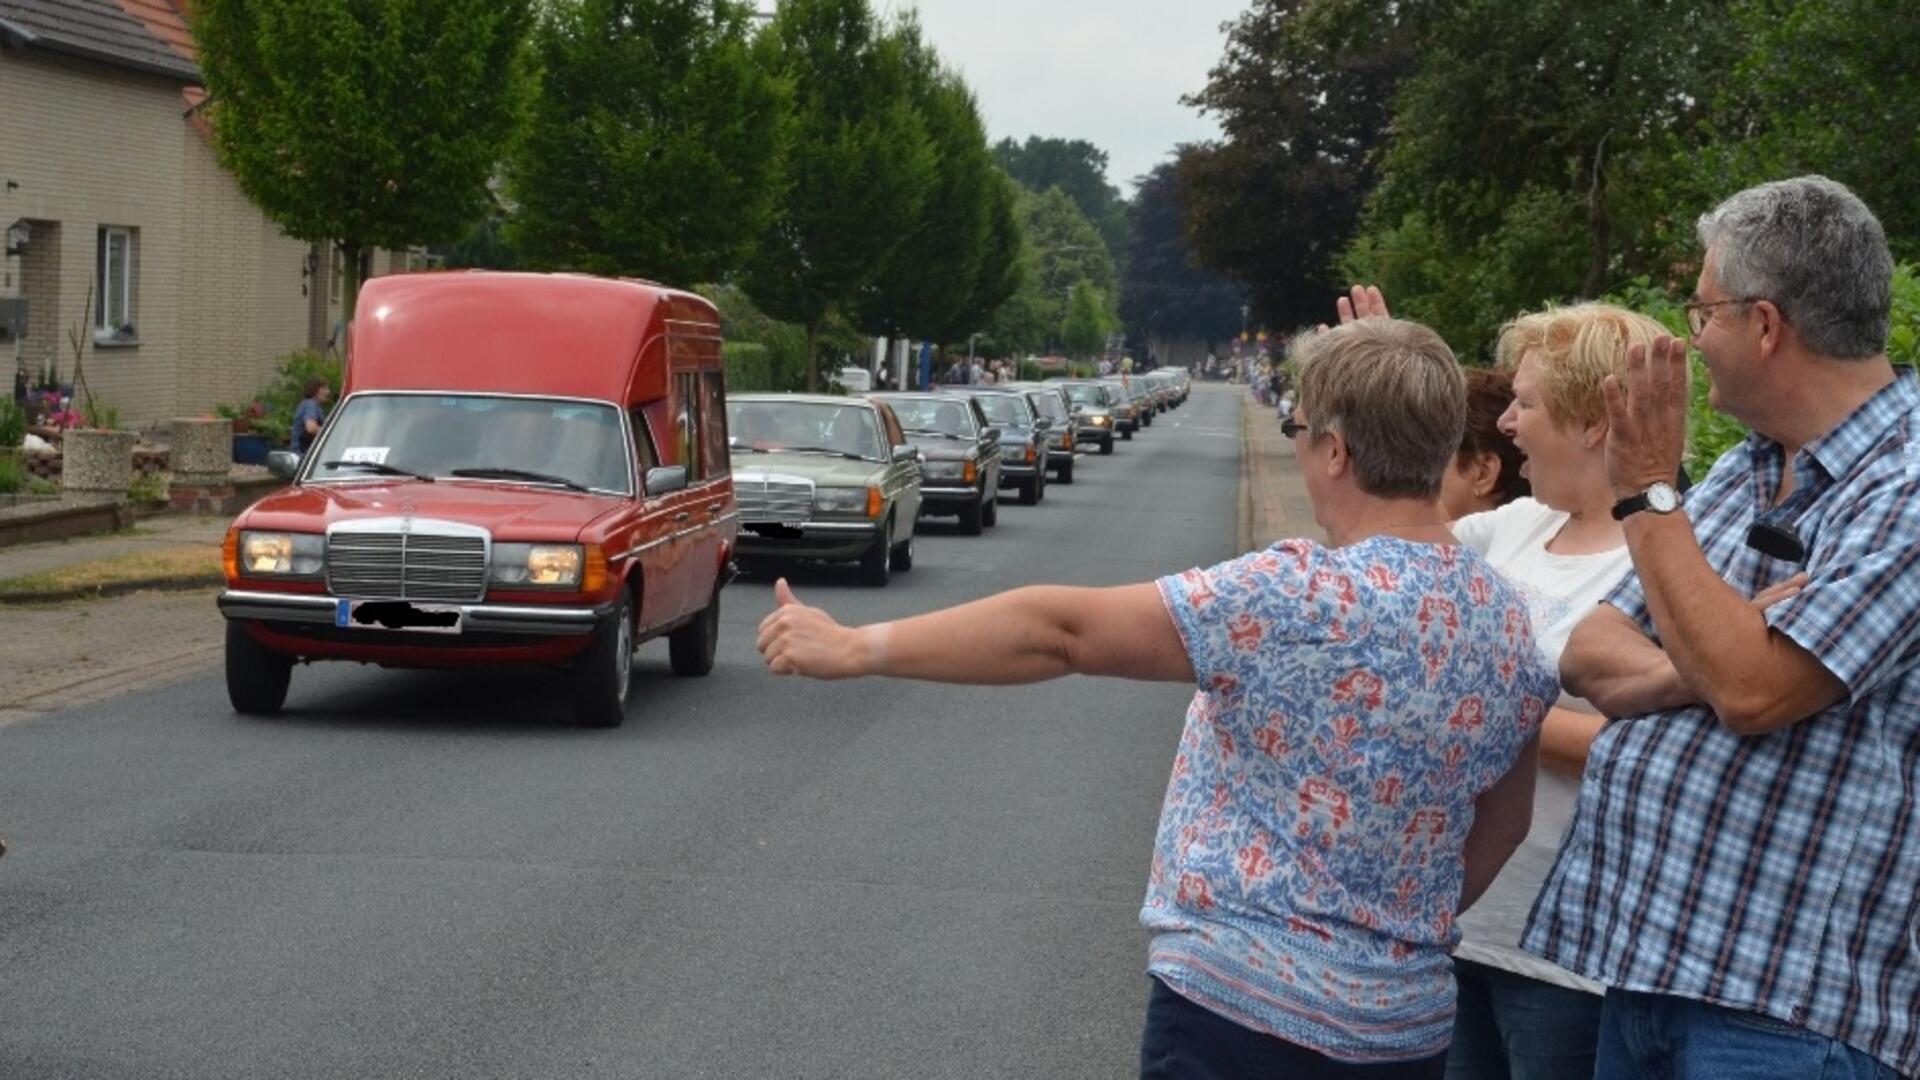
[[1394, 392], [1813, 248]]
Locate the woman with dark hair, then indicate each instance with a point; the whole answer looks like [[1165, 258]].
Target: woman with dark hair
[[1485, 474]]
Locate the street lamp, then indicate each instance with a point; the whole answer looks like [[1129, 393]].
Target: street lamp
[[970, 340]]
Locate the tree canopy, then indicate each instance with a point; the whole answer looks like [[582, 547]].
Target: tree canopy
[[1163, 292], [1076, 167], [366, 125]]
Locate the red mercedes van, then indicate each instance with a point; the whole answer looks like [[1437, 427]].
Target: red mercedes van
[[522, 469]]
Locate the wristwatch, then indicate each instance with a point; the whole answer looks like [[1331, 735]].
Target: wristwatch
[[1660, 498]]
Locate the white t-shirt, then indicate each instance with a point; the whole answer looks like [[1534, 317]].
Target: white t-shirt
[[1560, 590]]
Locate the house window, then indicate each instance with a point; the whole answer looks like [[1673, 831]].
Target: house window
[[114, 280]]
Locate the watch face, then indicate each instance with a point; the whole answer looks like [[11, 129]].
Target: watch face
[[1662, 499]]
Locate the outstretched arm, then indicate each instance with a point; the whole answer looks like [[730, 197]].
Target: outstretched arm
[[1020, 636]]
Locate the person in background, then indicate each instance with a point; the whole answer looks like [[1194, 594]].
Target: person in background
[[310, 414], [1743, 867], [1358, 757], [1485, 474]]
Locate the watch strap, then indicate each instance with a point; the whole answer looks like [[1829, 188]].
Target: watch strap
[[1630, 505]]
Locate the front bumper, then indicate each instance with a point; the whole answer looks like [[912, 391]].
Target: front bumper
[[947, 500], [530, 620], [832, 540]]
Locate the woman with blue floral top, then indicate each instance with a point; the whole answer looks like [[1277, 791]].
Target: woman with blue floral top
[[1357, 762]]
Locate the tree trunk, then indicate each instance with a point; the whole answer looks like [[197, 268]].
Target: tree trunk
[[351, 254], [1599, 224], [813, 369]]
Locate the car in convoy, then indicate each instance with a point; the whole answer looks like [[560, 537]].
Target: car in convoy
[[523, 469], [1138, 409], [959, 455], [1024, 451], [1052, 405], [824, 478], [1092, 404]]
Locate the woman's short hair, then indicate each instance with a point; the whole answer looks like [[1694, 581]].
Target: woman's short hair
[[1394, 392], [1489, 392], [313, 386], [1578, 347]]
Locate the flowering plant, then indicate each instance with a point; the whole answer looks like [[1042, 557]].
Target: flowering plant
[[64, 419]]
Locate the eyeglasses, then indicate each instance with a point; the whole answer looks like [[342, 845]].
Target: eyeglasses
[[1700, 311], [1291, 427]]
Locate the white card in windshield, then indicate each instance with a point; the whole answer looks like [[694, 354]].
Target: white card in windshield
[[370, 455]]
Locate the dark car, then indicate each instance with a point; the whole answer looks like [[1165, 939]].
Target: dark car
[[1093, 411], [960, 456], [1023, 439], [1050, 403]]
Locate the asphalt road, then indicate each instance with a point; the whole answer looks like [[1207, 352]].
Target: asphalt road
[[435, 875]]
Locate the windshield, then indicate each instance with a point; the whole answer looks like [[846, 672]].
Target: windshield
[[1083, 394], [575, 443], [933, 416], [1050, 406], [1004, 409], [805, 425]]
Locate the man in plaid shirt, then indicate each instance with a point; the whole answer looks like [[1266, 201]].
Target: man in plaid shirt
[[1743, 870]]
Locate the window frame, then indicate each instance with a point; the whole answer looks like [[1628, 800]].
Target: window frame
[[104, 297]]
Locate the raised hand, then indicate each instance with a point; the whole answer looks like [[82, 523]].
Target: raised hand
[[1363, 302], [800, 640], [1647, 414]]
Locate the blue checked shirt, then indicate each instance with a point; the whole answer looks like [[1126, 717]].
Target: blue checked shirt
[[1780, 873]]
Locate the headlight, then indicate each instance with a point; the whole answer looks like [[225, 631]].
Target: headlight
[[282, 554], [538, 565], [943, 470], [866, 500], [1099, 419]]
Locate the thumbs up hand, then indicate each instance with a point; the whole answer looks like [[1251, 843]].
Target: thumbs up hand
[[799, 640]]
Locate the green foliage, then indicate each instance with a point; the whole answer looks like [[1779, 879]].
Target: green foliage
[[1084, 330], [364, 124], [1163, 291], [1079, 169], [655, 144], [861, 165], [271, 414], [13, 473], [149, 488], [40, 485], [763, 353], [13, 425]]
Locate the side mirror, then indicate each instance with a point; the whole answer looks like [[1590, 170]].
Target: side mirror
[[905, 452], [1042, 424], [991, 434], [665, 479], [282, 464]]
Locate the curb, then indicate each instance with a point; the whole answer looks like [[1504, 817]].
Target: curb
[[1243, 537], [177, 583]]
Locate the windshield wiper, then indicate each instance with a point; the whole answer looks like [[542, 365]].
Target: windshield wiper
[[490, 473], [942, 434], [824, 450], [380, 467]]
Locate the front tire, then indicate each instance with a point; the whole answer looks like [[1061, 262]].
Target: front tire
[[973, 517], [990, 513], [1106, 445], [1127, 435], [603, 672], [1030, 491], [257, 677], [690, 649], [902, 557], [876, 566], [1066, 472]]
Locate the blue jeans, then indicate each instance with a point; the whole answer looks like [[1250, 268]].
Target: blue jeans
[[1658, 1037], [1511, 1027], [1185, 1041]]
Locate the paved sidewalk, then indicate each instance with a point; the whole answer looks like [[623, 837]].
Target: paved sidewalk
[[1273, 497], [154, 535]]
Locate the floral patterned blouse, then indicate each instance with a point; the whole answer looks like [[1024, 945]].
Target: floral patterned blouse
[[1353, 704]]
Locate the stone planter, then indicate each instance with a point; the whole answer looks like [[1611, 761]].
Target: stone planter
[[97, 462], [202, 452]]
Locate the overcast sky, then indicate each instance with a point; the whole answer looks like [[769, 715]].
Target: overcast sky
[[1108, 71]]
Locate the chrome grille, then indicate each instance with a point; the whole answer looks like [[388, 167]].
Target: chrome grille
[[407, 565], [766, 500]]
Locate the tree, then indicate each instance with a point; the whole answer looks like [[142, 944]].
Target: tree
[[1162, 291], [1303, 95], [1084, 331], [1003, 262], [928, 285], [655, 143], [365, 125], [1076, 167], [1061, 248], [860, 164]]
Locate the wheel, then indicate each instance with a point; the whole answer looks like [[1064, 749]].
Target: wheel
[[1066, 472], [1030, 491], [1127, 435], [690, 649], [990, 513], [902, 558], [1040, 480], [601, 675], [973, 517], [257, 677], [876, 566], [1106, 445]]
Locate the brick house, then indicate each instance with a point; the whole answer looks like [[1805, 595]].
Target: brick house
[[109, 184]]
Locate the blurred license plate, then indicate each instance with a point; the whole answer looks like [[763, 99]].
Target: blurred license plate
[[397, 615]]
